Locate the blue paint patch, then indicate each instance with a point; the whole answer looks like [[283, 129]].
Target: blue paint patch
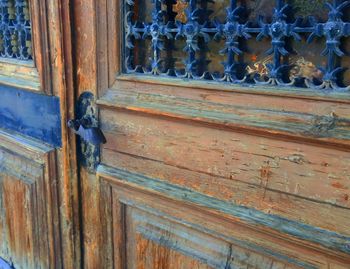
[[5, 265], [32, 114]]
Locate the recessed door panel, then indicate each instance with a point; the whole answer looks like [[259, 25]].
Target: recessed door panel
[[144, 230], [28, 206]]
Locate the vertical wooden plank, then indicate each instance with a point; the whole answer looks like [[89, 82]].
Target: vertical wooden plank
[[51, 184], [119, 232], [85, 75], [102, 44], [106, 222], [91, 221], [41, 215], [41, 44], [60, 37], [115, 34], [69, 156], [84, 40], [19, 217]]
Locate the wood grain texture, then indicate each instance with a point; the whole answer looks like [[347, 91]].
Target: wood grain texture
[[18, 234], [269, 119], [247, 215], [259, 90], [61, 80], [147, 228], [44, 117], [29, 226], [19, 74], [41, 44], [279, 152], [92, 244], [295, 180], [152, 255], [85, 49], [70, 196], [85, 53]]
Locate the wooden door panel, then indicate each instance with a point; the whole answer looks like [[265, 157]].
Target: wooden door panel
[[153, 243], [143, 228], [281, 187], [152, 255], [17, 227], [35, 147], [205, 174], [28, 203], [297, 181]]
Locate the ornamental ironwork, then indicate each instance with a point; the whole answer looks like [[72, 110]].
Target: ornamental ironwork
[[187, 25], [15, 30]]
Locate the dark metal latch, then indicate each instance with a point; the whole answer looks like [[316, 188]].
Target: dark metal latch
[[86, 131]]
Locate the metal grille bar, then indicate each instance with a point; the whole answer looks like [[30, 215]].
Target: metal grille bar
[[15, 30], [197, 31]]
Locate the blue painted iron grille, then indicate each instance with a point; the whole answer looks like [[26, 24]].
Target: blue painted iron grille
[[270, 42], [15, 30]]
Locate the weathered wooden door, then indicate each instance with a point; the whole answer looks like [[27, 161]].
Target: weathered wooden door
[[37, 182], [227, 133]]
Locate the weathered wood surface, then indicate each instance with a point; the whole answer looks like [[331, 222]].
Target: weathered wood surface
[[281, 153], [248, 216], [304, 178], [326, 122], [318, 174], [29, 222], [60, 78], [85, 77], [179, 83], [152, 223], [43, 117], [19, 74]]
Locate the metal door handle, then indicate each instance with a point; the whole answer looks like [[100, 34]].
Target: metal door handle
[[89, 134]]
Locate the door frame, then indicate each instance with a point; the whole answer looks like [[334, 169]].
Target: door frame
[[60, 39]]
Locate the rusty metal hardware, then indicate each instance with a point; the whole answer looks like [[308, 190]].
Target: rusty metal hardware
[[90, 136], [87, 132]]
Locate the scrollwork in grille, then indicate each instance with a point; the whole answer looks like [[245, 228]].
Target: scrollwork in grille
[[197, 29], [15, 30]]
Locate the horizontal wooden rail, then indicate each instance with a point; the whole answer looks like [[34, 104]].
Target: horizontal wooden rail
[[325, 129]]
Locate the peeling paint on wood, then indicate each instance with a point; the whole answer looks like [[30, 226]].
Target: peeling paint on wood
[[29, 227], [294, 169], [280, 154], [32, 114], [235, 116], [5, 265], [323, 237]]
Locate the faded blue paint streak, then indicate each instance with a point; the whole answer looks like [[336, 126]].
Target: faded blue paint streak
[[5, 265], [32, 114], [328, 239]]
